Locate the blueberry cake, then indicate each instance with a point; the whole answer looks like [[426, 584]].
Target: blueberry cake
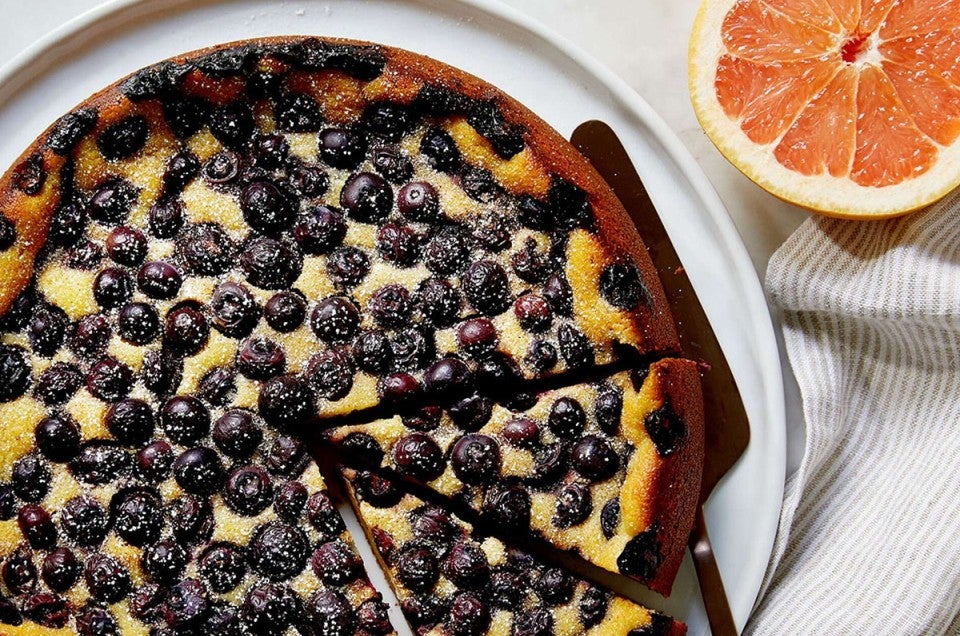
[[452, 580], [232, 247], [609, 470]]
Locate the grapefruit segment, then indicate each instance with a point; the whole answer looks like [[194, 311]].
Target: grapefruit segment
[[755, 31], [848, 107], [933, 102], [766, 98], [872, 14], [823, 138], [919, 17], [848, 12], [937, 52], [890, 149], [816, 13]]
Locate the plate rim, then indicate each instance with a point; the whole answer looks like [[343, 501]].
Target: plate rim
[[766, 356]]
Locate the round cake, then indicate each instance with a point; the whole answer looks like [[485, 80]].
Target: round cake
[[226, 253]]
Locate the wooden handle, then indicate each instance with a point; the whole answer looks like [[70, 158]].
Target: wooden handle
[[711, 585]]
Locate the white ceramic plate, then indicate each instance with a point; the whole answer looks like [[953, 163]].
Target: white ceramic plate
[[563, 86]]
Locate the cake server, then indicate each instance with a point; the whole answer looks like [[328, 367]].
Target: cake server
[[727, 430]]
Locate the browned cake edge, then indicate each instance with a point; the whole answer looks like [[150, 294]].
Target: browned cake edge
[[31, 214], [678, 476]]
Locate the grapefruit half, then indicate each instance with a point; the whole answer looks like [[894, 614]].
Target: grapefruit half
[[846, 107]]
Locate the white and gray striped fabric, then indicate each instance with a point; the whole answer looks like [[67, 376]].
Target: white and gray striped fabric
[[869, 538]]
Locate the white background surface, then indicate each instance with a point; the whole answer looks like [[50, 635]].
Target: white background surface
[[644, 42]]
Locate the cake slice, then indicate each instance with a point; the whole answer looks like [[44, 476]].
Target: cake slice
[[610, 469], [451, 580]]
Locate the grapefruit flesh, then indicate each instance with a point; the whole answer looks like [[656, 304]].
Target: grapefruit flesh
[[848, 107]]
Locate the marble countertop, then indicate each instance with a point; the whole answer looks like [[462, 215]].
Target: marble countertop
[[646, 44]]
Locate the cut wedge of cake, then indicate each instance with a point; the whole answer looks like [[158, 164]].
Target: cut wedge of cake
[[453, 581]]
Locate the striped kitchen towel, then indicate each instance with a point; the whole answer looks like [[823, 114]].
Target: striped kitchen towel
[[869, 538]]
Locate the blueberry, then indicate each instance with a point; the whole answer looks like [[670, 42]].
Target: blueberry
[[60, 569], [388, 120], [222, 167], [331, 373], [666, 429], [159, 280], [608, 409], [186, 605], [642, 556], [286, 311], [85, 255], [146, 602], [266, 208], [335, 563], [217, 386], [278, 551], [138, 323], [191, 519], [58, 438], [308, 181], [185, 116], [166, 218], [206, 249], [269, 609], [233, 124], [398, 244], [492, 231], [542, 356], [84, 521], [475, 459], [477, 337], [332, 613], [522, 432], [236, 433], [290, 501], [362, 449], [575, 348], [100, 462], [438, 301], [8, 233], [390, 306], [260, 358], [186, 330], [123, 138], [372, 618], [447, 251], [223, 567], [466, 566], [137, 515], [567, 418], [106, 578], [234, 309], [441, 150], [372, 352], [36, 526], [574, 505], [286, 401], [448, 376], [418, 456], [366, 197], [391, 163], [298, 113], [398, 388], [535, 622], [533, 313], [419, 201], [68, 223], [486, 287], [270, 264], [181, 169], [154, 461], [412, 348], [320, 230], [30, 478], [70, 129], [556, 587], [47, 330], [270, 151], [342, 147], [112, 201], [593, 606], [621, 286], [531, 264], [49, 610], [507, 507], [594, 459], [417, 568], [323, 516], [112, 288], [335, 320], [199, 471], [248, 491], [610, 517], [164, 561], [15, 371], [161, 372]]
